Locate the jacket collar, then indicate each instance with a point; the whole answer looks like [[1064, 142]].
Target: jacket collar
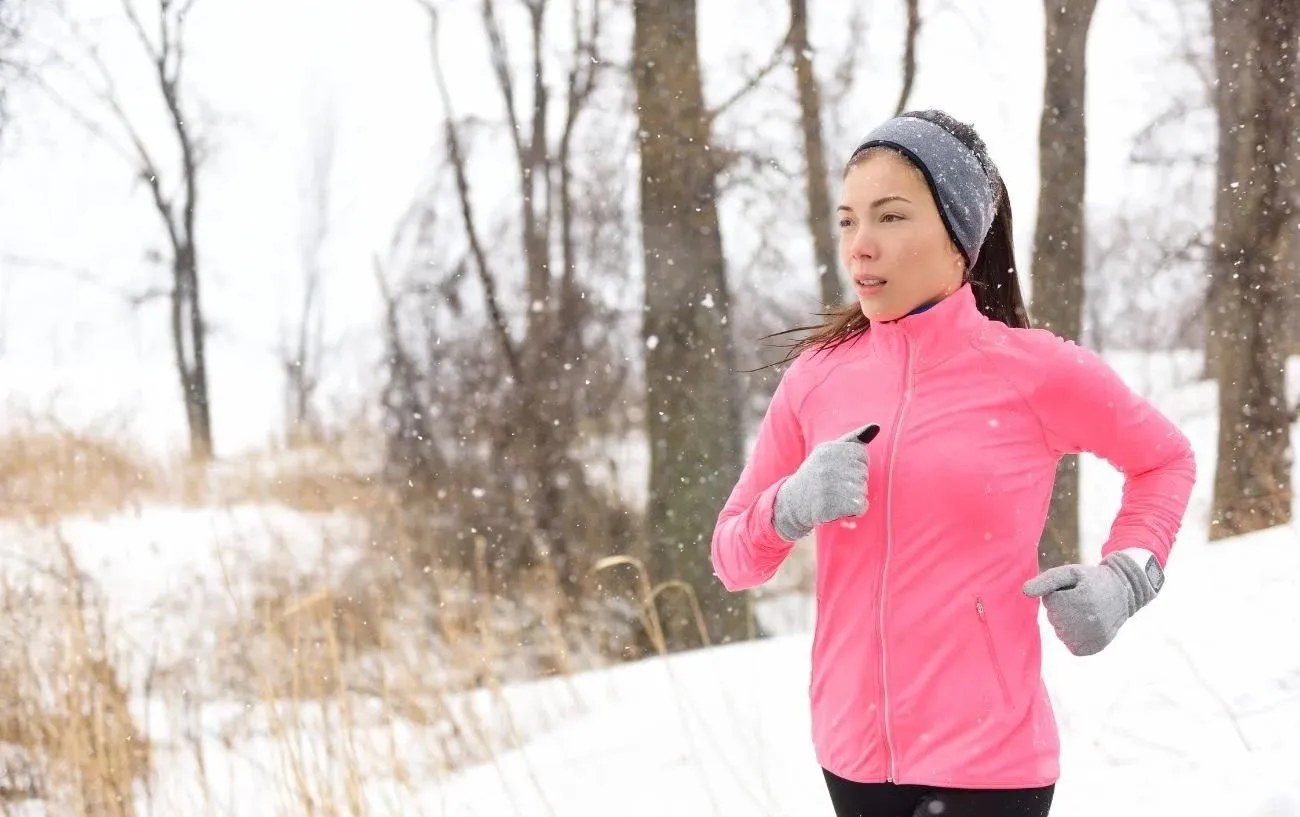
[[934, 334]]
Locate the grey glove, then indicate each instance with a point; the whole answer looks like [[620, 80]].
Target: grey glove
[[830, 484], [1087, 605]]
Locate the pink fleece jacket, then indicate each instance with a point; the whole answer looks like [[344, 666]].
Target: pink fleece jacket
[[926, 656]]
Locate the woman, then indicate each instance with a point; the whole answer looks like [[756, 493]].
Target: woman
[[917, 433]]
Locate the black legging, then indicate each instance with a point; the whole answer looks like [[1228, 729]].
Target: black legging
[[852, 799]]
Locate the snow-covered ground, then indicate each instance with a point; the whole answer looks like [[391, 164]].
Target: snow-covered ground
[[1194, 710]]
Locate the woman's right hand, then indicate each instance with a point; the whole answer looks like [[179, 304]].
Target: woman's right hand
[[830, 484]]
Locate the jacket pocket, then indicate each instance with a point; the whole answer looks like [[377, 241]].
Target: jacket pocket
[[993, 653]]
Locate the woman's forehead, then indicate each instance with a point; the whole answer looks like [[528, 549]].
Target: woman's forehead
[[883, 173]]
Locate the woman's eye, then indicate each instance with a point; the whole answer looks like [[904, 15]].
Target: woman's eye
[[891, 217], [845, 223]]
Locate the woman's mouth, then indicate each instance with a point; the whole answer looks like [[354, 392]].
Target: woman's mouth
[[869, 283]]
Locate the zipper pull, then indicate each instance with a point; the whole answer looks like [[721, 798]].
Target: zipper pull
[[979, 607]]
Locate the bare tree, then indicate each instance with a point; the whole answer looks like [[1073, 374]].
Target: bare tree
[[1255, 44], [302, 349], [173, 186], [178, 212], [1153, 296], [1059, 237], [1144, 265], [529, 393], [692, 408]]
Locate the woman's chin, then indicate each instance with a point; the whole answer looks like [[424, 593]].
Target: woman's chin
[[877, 312]]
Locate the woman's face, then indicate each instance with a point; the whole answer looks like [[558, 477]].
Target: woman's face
[[892, 240]]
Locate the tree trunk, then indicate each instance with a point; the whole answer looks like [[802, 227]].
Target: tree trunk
[[190, 336], [814, 153], [1255, 43], [692, 405], [1059, 237], [192, 357], [909, 55]]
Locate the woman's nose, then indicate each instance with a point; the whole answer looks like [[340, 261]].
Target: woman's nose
[[863, 244]]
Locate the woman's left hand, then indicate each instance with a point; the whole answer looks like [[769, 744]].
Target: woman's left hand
[[1087, 605]]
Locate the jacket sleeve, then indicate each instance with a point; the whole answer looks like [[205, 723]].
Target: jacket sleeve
[[746, 549], [1085, 406]]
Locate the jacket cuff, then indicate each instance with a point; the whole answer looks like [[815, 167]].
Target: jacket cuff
[[762, 524], [1153, 575]]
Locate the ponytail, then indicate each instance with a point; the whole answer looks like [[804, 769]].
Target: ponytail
[[993, 278]]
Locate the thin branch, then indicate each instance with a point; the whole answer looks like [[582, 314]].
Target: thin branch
[[138, 28], [184, 11], [133, 299], [462, 189], [1145, 151], [1184, 46], [777, 58], [756, 161], [501, 68], [146, 168], [170, 84], [835, 91], [109, 96], [582, 73], [156, 293], [88, 124]]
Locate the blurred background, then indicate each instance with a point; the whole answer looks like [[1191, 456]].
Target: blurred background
[[372, 373]]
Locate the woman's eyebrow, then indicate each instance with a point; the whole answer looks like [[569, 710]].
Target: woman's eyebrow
[[886, 199], [877, 203]]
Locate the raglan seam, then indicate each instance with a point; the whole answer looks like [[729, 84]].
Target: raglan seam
[[1015, 387], [814, 386]]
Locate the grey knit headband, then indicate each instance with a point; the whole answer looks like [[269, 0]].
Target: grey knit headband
[[956, 178]]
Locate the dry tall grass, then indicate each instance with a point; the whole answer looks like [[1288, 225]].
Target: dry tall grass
[[48, 471], [355, 685], [68, 737]]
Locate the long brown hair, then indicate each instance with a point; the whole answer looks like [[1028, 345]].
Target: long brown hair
[[993, 277]]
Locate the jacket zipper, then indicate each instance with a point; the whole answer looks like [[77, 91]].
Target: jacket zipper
[[993, 654], [889, 547]]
